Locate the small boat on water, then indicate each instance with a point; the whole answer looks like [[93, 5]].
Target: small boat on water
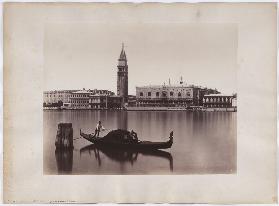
[[122, 139]]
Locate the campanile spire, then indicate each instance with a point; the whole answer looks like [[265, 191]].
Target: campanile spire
[[122, 53]]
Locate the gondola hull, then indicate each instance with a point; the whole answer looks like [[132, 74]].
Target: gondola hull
[[136, 145]]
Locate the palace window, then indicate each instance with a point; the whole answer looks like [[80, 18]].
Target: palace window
[[179, 94], [171, 93], [157, 94], [141, 94], [149, 94]]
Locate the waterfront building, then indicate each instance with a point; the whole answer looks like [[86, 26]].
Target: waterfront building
[[122, 77], [81, 99], [53, 97], [181, 95], [132, 100], [204, 91], [104, 101], [218, 101]]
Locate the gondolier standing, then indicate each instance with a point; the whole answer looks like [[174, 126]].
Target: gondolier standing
[[99, 127]]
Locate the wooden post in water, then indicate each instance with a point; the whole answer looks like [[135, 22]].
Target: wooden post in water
[[64, 136], [64, 160]]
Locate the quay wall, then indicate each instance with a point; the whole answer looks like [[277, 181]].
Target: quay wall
[[232, 109]]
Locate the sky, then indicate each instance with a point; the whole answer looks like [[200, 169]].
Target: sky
[[85, 55]]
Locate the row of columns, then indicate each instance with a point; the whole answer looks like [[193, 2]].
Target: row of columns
[[218, 99], [162, 103]]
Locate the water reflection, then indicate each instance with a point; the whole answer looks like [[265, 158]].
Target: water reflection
[[122, 121], [204, 143], [64, 160], [122, 156]]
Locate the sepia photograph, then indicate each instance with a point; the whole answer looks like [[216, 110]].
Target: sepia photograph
[[140, 103], [140, 98]]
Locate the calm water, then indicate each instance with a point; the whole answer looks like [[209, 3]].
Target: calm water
[[204, 143]]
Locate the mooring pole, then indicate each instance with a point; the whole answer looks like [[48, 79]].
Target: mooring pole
[[64, 136]]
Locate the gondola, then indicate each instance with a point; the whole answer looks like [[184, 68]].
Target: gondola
[[122, 139]]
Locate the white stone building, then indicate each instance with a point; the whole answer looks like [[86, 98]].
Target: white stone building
[[218, 101], [81, 99], [50, 97], [181, 95]]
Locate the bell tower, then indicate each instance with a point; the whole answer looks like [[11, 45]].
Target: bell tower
[[122, 76]]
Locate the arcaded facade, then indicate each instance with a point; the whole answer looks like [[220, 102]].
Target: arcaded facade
[[219, 101], [171, 95], [165, 95]]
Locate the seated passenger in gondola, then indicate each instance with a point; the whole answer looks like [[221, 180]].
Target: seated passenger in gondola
[[134, 135], [130, 136]]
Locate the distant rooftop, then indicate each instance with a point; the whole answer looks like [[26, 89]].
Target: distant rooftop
[[172, 86], [103, 95], [83, 92], [160, 86], [99, 94], [59, 91], [218, 95]]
